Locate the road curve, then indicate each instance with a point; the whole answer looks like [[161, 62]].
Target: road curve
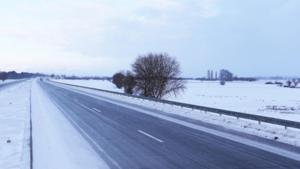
[[128, 139]]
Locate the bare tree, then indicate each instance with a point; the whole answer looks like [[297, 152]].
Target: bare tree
[[118, 79], [129, 82], [288, 83], [295, 82], [225, 75], [157, 75], [3, 76]]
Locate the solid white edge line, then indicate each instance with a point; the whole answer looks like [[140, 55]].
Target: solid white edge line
[[97, 110], [150, 136], [91, 109], [84, 106]]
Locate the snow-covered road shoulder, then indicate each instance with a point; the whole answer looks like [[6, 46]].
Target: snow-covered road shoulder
[[56, 143], [14, 126]]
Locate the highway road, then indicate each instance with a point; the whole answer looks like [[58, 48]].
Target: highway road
[[129, 139]]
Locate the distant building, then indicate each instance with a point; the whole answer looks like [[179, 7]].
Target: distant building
[[212, 75]]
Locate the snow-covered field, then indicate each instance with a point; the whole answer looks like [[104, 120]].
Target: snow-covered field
[[14, 126], [248, 97]]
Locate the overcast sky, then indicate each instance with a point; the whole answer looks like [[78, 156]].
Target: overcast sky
[[100, 37]]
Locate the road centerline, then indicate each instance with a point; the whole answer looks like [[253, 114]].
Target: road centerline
[[97, 110], [150, 136], [84, 106]]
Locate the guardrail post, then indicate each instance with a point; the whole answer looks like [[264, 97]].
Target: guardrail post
[[259, 122]]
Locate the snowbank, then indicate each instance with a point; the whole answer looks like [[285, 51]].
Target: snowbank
[[2, 83], [56, 143], [14, 126], [7, 81]]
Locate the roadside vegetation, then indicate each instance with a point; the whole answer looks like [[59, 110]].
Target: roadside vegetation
[[152, 75], [294, 83], [14, 75]]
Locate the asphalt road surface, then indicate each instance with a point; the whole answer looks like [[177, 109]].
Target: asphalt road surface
[[129, 139]]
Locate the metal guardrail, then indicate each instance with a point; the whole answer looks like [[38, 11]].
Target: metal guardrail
[[270, 120]]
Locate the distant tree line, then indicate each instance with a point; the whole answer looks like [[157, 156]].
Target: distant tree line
[[15, 75], [249, 79], [152, 75], [224, 75]]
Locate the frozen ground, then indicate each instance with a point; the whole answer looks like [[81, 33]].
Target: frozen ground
[[14, 126], [248, 97], [56, 143]]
